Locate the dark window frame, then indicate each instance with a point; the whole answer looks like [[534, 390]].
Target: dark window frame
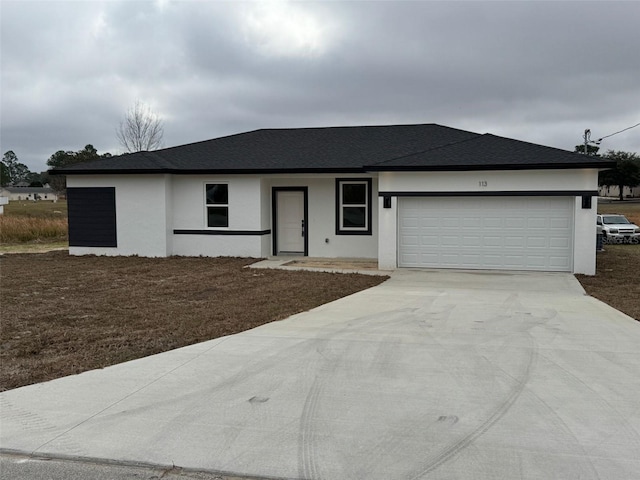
[[218, 205], [367, 229]]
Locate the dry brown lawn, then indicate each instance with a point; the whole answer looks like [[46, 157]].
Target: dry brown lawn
[[628, 208], [63, 315], [617, 278]]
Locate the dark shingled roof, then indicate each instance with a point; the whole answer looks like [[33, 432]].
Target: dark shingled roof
[[341, 149], [489, 152]]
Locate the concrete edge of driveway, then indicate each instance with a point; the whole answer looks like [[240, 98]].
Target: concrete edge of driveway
[[606, 306], [107, 464], [280, 264], [434, 274]]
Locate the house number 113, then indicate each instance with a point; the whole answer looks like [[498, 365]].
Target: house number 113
[[482, 183]]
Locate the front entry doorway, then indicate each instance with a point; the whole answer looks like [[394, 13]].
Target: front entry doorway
[[290, 221]]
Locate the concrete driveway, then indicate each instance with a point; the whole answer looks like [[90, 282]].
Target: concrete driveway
[[433, 374]]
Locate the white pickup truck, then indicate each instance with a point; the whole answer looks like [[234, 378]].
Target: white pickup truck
[[617, 229]]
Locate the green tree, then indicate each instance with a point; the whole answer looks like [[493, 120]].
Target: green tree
[[4, 175], [34, 179], [626, 172], [17, 172], [62, 159], [591, 149]]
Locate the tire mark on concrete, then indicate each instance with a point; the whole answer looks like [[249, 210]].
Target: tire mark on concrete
[[307, 449], [511, 307], [452, 450], [395, 441], [604, 404], [559, 422], [308, 463]]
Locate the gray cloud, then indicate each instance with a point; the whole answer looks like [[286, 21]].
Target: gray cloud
[[537, 71]]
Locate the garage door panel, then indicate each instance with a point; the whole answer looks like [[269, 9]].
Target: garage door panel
[[486, 232], [514, 261], [514, 223], [475, 260], [536, 222], [493, 241], [561, 263], [534, 261], [430, 240], [514, 242], [561, 223], [408, 222], [472, 241], [559, 242], [492, 222], [429, 222], [536, 242], [409, 240], [471, 222]]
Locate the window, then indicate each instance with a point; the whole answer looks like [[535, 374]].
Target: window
[[217, 198], [353, 206]]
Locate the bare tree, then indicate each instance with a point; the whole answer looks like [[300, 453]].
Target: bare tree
[[140, 130]]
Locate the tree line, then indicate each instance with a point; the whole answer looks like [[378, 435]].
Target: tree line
[[626, 172]]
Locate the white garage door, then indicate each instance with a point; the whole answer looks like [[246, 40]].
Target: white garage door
[[510, 233]]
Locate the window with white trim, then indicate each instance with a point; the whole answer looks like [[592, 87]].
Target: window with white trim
[[217, 204], [353, 206]]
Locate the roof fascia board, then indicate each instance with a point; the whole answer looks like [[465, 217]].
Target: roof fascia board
[[464, 168], [206, 171]]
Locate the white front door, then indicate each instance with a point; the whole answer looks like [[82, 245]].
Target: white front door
[[290, 219]]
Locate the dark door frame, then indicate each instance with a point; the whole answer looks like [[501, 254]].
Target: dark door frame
[[274, 215]]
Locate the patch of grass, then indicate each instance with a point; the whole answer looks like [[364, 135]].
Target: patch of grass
[[33, 222], [616, 280], [41, 209], [34, 247], [63, 315], [18, 229]]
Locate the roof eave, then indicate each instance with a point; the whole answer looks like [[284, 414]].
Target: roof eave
[[208, 171], [464, 168]]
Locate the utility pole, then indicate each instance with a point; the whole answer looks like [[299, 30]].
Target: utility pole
[[587, 139]]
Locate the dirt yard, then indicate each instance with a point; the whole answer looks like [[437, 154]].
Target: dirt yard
[[63, 315], [617, 279]]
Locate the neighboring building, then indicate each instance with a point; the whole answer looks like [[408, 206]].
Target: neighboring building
[[406, 195], [3, 201], [614, 191], [16, 193]]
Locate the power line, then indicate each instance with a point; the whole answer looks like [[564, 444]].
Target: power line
[[615, 133]]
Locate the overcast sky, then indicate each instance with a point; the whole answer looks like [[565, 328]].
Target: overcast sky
[[536, 71]]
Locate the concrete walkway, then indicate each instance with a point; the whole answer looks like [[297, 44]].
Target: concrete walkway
[[433, 374]]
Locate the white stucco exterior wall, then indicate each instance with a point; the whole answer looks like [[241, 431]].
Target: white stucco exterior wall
[[323, 241], [245, 214], [502, 180], [584, 246], [388, 238], [141, 214]]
